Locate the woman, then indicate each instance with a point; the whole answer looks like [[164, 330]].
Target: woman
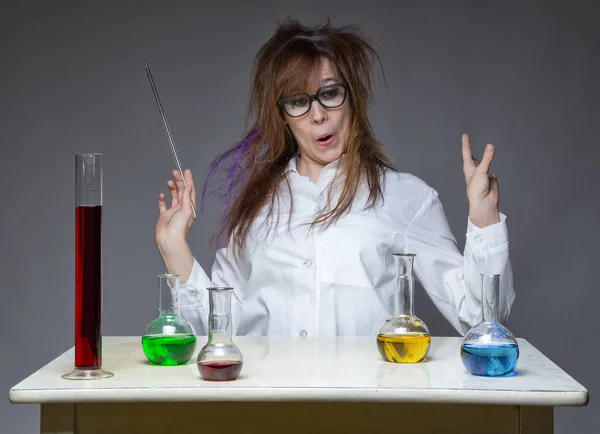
[[314, 209]]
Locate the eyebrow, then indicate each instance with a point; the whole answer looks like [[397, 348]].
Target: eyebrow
[[326, 80]]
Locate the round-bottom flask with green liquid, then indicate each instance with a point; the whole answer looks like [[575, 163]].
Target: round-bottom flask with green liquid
[[169, 340]]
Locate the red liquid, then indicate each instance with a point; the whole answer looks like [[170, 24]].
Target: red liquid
[[88, 286], [223, 370]]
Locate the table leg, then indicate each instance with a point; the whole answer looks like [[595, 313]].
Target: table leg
[[536, 420], [57, 419]]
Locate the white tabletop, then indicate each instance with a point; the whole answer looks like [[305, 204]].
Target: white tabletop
[[340, 369]]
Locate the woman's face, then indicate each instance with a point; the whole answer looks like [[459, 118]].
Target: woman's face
[[322, 133]]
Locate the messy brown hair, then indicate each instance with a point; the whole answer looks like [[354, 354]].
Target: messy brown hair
[[284, 66]]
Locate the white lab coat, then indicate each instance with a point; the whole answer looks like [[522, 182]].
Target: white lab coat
[[339, 280]]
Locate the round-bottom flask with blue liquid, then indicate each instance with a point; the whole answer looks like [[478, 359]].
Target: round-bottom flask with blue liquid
[[489, 349]]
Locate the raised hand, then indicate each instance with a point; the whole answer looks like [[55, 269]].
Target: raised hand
[[482, 187], [175, 222]]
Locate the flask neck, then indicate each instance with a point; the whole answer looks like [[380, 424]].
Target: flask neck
[[219, 318], [168, 289], [490, 294], [404, 284]]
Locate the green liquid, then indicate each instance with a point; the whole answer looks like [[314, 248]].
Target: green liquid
[[169, 350]]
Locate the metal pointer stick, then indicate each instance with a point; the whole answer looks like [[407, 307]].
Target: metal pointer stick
[[167, 129]]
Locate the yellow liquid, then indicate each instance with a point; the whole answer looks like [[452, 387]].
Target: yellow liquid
[[410, 348]]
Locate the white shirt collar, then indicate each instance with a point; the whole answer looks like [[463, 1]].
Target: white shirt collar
[[331, 167]]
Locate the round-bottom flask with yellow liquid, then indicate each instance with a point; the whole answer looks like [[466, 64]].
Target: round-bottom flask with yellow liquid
[[403, 338]]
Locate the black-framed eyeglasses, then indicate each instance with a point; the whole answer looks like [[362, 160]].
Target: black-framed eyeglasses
[[330, 96]]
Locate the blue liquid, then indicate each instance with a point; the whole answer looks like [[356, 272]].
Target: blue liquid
[[489, 360]]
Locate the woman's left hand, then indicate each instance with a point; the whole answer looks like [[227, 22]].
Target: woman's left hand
[[482, 186]]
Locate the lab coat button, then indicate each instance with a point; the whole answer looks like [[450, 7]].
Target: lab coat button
[[307, 263], [303, 333], [478, 239]]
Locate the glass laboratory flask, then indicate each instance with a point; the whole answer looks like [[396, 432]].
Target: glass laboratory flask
[[88, 269], [489, 348], [169, 340], [220, 359], [403, 338]]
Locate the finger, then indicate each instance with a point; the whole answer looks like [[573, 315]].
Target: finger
[[466, 149], [486, 161], [187, 200], [173, 191], [162, 204], [494, 183], [179, 184], [165, 212], [469, 165], [469, 171], [189, 179], [466, 152]]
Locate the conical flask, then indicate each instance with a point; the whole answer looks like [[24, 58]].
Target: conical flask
[[403, 338], [489, 348], [220, 359], [169, 340]]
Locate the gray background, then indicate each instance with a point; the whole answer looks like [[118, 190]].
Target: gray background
[[522, 75]]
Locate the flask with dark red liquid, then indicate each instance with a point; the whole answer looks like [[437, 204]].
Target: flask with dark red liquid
[[88, 269], [220, 359]]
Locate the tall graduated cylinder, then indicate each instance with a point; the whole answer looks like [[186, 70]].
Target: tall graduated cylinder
[[88, 268]]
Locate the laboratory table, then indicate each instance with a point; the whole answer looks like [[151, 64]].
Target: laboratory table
[[301, 385]]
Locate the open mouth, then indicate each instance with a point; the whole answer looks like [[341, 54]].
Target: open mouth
[[325, 140]]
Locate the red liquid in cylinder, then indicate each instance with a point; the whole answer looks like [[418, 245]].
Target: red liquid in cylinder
[[88, 286]]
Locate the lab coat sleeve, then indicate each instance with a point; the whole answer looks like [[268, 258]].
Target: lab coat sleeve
[[452, 280], [193, 295]]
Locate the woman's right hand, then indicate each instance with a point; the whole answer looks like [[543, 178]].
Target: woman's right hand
[[175, 222]]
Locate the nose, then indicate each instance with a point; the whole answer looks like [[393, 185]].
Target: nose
[[318, 113]]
